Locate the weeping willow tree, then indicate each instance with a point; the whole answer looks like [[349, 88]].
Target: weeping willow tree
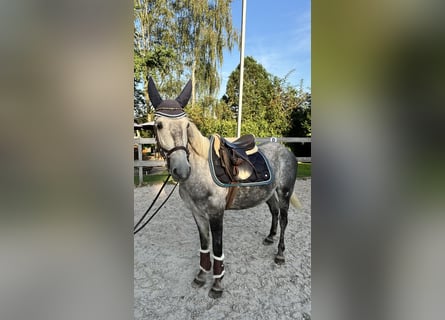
[[208, 26], [155, 37], [178, 40]]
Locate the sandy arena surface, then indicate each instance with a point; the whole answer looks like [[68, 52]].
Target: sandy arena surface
[[166, 259]]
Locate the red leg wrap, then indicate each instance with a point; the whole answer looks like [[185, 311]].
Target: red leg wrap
[[218, 269], [204, 262]]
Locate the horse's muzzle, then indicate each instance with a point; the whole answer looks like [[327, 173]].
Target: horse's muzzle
[[179, 166]]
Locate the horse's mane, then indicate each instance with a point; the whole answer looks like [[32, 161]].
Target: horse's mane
[[197, 141]]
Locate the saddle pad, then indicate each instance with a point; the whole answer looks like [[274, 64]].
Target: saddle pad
[[262, 176]]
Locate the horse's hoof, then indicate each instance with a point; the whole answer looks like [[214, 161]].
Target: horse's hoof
[[215, 294], [197, 283], [279, 259], [267, 241]]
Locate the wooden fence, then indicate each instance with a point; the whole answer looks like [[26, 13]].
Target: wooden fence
[[141, 164]]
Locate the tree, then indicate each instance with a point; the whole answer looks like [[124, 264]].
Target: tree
[[301, 126], [207, 29], [140, 105], [271, 106], [263, 114], [212, 122], [301, 122], [175, 40], [155, 45]]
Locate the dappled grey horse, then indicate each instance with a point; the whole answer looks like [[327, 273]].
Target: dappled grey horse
[[187, 153]]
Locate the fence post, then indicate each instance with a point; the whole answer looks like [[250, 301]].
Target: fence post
[[141, 169]]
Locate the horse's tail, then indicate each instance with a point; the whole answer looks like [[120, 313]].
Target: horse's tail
[[295, 202]]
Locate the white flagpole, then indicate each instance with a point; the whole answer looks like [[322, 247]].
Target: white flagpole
[[241, 70]]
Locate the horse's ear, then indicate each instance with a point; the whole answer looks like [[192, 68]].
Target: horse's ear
[[184, 96], [153, 93]]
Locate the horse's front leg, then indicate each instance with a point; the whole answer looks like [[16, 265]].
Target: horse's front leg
[[216, 226], [205, 264]]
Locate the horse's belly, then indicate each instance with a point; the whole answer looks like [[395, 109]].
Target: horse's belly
[[200, 196], [248, 197]]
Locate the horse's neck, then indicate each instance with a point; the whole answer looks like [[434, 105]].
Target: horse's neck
[[200, 145]]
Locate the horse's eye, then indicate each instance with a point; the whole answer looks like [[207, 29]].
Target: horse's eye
[[159, 125]]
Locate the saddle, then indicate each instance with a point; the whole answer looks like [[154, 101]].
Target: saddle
[[234, 156], [237, 163]]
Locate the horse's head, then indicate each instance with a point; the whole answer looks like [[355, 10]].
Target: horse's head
[[171, 125]]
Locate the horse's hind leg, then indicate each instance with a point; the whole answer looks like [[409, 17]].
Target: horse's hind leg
[[274, 210], [278, 206], [279, 258], [284, 198]]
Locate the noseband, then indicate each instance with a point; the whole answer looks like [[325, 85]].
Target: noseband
[[165, 153]]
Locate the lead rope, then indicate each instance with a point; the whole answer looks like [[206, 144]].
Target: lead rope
[[136, 229]]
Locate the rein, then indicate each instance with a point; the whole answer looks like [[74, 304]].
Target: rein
[[136, 229], [166, 155]]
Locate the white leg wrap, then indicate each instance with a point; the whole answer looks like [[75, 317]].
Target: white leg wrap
[[220, 261], [206, 271], [219, 258], [219, 275], [205, 253]]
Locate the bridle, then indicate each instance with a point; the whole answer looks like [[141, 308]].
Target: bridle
[[166, 153]]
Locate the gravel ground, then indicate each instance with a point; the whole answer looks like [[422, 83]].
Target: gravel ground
[[166, 258]]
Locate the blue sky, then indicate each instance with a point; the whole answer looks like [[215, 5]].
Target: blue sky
[[278, 35]]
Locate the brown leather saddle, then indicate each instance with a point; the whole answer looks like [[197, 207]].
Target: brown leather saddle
[[238, 162]]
